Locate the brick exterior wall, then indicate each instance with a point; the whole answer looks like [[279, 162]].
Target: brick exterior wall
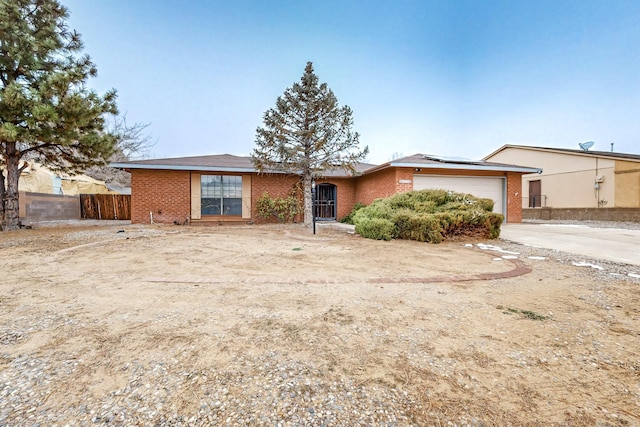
[[514, 198], [165, 193], [388, 182], [346, 194], [375, 185], [277, 185], [404, 180]]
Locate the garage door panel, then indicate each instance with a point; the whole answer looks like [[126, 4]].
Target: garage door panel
[[485, 187]]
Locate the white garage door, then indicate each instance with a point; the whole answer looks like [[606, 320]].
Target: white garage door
[[486, 187]]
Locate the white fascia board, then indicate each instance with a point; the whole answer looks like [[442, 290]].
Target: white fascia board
[[466, 167], [181, 168]]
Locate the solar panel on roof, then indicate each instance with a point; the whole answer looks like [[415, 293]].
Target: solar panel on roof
[[449, 159]]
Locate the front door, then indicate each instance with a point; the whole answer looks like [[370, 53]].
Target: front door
[[535, 194], [325, 202]]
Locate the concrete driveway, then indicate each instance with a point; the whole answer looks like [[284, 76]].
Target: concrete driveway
[[612, 244]]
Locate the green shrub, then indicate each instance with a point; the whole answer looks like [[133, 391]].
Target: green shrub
[[349, 218], [284, 209], [376, 228], [425, 228], [377, 209], [486, 204], [428, 216], [402, 221]]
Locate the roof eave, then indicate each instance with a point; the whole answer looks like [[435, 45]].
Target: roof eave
[[180, 167], [496, 168], [567, 151]]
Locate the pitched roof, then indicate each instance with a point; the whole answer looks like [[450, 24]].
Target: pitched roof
[[606, 154], [442, 162], [359, 167], [218, 163], [231, 163]]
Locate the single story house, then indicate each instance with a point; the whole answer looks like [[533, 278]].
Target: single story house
[[575, 178], [221, 188]]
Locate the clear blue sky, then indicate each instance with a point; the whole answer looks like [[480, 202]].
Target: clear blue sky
[[448, 77]]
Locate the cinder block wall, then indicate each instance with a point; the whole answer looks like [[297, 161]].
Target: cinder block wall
[[48, 207], [166, 194], [583, 214]]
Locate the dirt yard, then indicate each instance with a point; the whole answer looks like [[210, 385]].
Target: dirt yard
[[270, 325]]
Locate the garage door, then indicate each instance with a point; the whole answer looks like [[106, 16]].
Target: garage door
[[490, 188]]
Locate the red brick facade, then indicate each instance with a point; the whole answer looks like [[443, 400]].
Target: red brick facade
[[514, 197], [167, 194], [345, 188], [164, 194], [276, 185], [376, 185]]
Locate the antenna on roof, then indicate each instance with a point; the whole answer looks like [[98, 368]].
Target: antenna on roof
[[586, 145]]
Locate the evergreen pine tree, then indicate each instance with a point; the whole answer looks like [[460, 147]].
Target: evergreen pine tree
[[46, 112], [306, 134]]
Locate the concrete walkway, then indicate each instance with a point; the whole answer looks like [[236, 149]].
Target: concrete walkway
[[612, 244]]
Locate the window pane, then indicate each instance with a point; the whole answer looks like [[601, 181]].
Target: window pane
[[221, 195], [232, 206], [210, 206]]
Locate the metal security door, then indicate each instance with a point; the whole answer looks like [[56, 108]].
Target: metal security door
[[325, 203]]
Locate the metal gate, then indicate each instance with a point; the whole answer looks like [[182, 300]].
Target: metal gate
[[325, 202]]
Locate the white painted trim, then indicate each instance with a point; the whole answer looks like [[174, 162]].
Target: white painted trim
[[465, 167]]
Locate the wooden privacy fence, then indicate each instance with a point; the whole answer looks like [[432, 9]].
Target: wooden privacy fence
[[105, 206]]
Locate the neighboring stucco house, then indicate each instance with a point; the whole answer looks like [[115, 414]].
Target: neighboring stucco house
[[575, 178], [225, 188]]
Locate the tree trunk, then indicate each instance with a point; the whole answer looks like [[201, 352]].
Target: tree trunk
[[2, 194], [308, 214], [12, 204]]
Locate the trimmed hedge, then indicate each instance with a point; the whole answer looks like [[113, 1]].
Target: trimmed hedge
[[428, 216]]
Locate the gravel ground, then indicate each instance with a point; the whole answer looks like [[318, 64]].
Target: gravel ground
[[272, 388]]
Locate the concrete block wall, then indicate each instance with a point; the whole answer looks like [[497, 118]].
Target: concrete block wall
[[47, 207], [582, 214], [164, 193]]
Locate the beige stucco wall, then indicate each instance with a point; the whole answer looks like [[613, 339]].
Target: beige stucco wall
[[627, 175], [567, 180]]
